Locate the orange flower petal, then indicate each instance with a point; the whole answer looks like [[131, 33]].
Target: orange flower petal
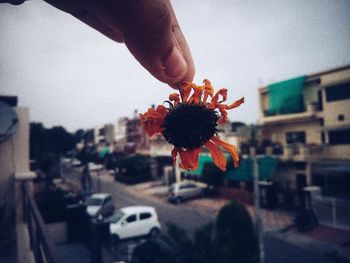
[[189, 158], [208, 90], [185, 90], [218, 157], [223, 113], [153, 119], [175, 98], [197, 94], [228, 147], [215, 100], [236, 104]]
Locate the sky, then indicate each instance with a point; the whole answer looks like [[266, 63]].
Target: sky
[[69, 74]]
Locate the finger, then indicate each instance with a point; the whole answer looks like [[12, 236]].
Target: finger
[[152, 35], [81, 13]]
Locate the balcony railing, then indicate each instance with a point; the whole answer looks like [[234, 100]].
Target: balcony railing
[[297, 151], [308, 113], [41, 244]]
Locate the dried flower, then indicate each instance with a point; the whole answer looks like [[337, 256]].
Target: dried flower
[[192, 122]]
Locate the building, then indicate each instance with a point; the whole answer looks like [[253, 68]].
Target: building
[[15, 176], [120, 135], [305, 121], [136, 137], [104, 135]]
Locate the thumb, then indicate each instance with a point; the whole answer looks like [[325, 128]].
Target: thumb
[[152, 34]]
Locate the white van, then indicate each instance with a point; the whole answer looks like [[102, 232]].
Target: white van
[[134, 221]]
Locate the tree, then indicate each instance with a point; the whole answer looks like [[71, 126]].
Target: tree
[[231, 239], [212, 175], [134, 169], [236, 240]]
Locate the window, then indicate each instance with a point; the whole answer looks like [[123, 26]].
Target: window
[[338, 92], [295, 137], [321, 121], [101, 132], [323, 137], [107, 200], [144, 216], [320, 101], [341, 117], [339, 137], [131, 219]]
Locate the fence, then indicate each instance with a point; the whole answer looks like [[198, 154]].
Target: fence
[[41, 244], [332, 211]]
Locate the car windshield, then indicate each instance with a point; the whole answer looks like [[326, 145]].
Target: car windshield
[[116, 217], [94, 201]]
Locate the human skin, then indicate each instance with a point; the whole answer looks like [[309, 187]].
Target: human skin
[[148, 28]]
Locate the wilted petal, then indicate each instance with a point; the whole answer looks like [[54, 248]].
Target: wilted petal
[[228, 147], [218, 157], [153, 119], [189, 158]]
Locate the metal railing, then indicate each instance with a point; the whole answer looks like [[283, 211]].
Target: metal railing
[[332, 211], [41, 243]]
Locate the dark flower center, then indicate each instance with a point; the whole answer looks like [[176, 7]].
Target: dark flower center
[[189, 125]]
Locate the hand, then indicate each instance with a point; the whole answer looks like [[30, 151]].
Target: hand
[[148, 28]]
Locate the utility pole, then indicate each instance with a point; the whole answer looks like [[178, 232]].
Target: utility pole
[[258, 222], [177, 171]]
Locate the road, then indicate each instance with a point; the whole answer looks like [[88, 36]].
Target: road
[[276, 250]]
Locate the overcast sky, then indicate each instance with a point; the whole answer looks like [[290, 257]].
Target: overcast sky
[[70, 75]]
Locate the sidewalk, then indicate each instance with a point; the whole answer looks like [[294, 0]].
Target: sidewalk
[[323, 240]]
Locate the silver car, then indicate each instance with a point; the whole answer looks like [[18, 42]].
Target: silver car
[[179, 192], [100, 205]]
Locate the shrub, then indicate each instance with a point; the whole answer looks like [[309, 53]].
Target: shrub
[[212, 175], [236, 240], [134, 169]]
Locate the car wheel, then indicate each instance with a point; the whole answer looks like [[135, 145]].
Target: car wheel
[[178, 200], [154, 232]]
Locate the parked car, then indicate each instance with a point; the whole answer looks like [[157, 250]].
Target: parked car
[[178, 192], [134, 221], [95, 167], [100, 205], [76, 162]]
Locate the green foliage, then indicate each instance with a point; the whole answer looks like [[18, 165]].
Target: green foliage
[[54, 140], [212, 175], [231, 239], [134, 169], [236, 240], [204, 244]]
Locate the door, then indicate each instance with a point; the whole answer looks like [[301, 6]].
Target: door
[[145, 223], [128, 227]]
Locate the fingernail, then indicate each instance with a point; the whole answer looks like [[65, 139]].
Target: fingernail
[[175, 64]]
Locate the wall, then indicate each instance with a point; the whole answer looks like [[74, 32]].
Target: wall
[[277, 133], [14, 158]]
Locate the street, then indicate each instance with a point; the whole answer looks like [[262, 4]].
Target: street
[[185, 216]]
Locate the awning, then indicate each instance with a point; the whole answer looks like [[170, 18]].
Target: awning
[[103, 152], [331, 167], [267, 167], [340, 168], [203, 159], [286, 96]]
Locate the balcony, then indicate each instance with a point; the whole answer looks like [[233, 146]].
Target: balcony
[[42, 247], [298, 152], [308, 114]]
